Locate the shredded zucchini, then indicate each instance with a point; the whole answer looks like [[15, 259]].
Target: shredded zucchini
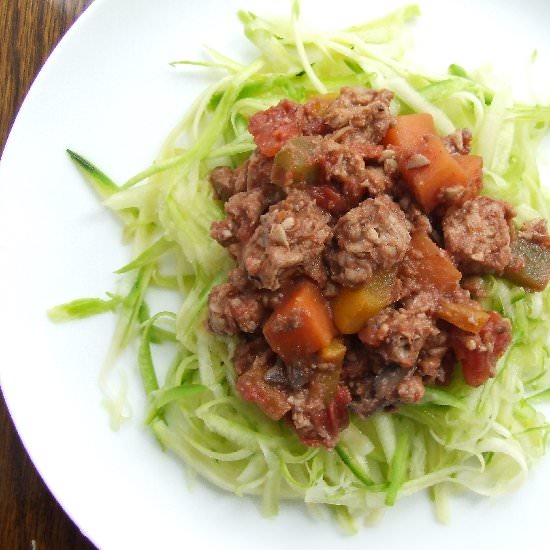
[[480, 439]]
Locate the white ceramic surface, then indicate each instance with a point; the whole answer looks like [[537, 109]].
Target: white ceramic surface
[[108, 92]]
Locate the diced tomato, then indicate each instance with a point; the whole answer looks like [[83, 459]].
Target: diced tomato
[[329, 421], [275, 126], [354, 191], [329, 199], [327, 401], [301, 324], [479, 353], [253, 387], [429, 265], [315, 110], [337, 411]]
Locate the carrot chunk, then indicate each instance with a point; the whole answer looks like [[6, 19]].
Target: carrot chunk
[[301, 324], [353, 307], [428, 169], [429, 265], [409, 129], [468, 315], [425, 163], [473, 169]]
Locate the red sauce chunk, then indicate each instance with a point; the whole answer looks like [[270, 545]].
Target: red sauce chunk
[[480, 352], [329, 199], [328, 422], [253, 387], [275, 126]]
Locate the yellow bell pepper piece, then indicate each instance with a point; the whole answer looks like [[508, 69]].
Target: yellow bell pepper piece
[[353, 307]]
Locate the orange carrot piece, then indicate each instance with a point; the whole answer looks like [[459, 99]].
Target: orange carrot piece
[[417, 140], [466, 315], [409, 129], [301, 324], [428, 181], [473, 169], [430, 265]]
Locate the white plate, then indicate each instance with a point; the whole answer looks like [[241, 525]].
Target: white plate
[[108, 92]]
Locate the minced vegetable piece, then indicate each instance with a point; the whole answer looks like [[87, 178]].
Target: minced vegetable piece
[[339, 257]]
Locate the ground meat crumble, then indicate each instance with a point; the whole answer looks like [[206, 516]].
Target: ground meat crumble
[[477, 235], [372, 236], [288, 241]]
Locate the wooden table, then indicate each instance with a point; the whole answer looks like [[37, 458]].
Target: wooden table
[[29, 30]]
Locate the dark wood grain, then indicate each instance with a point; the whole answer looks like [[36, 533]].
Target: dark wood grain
[[29, 30]]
